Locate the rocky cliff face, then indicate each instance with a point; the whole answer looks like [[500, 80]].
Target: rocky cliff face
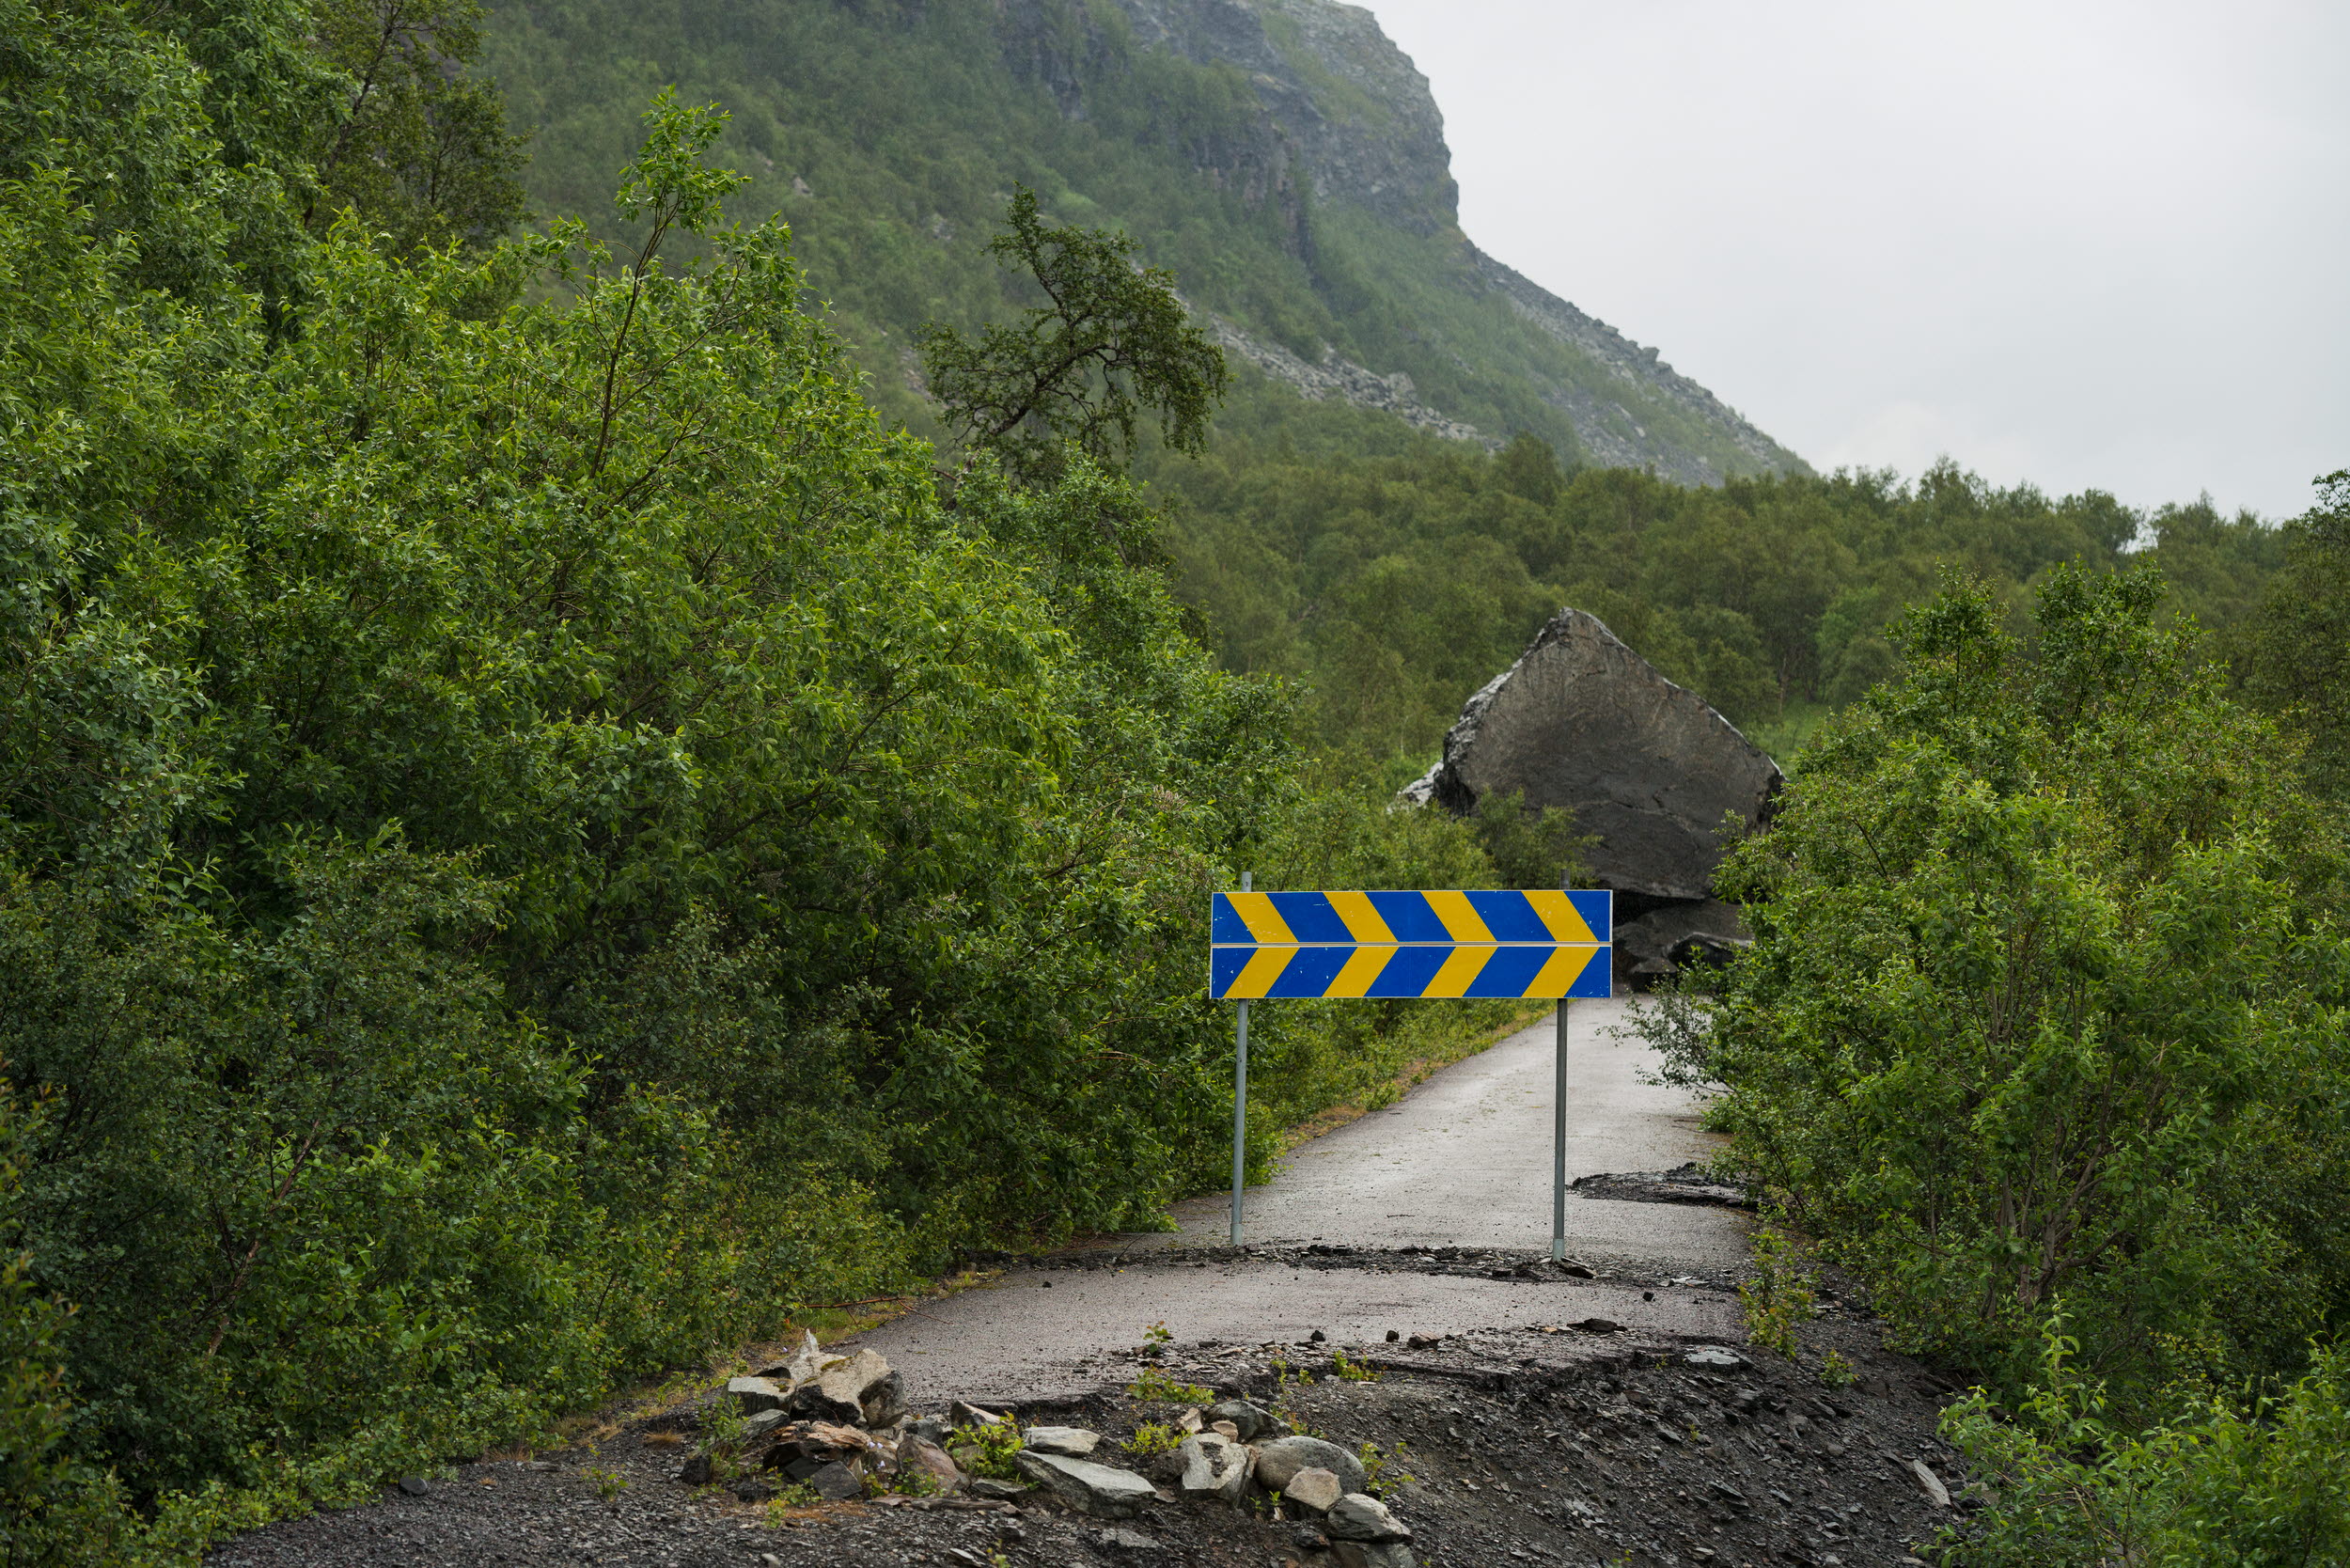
[[1348, 122], [1612, 433], [1351, 109]]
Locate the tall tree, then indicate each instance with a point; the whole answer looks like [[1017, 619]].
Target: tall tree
[[2294, 656], [1112, 341], [419, 149]]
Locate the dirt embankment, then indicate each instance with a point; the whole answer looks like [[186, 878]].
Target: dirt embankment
[[1543, 1442]]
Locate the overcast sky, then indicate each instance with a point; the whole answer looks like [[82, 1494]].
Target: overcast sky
[[2082, 243]]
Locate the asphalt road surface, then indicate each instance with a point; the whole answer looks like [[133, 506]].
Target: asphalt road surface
[[1463, 1161]]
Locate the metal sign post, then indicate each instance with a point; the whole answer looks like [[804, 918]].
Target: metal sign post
[[1553, 944], [1558, 1141], [1240, 1103]]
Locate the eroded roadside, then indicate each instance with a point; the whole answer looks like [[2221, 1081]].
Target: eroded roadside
[[1601, 1411], [1533, 1442]]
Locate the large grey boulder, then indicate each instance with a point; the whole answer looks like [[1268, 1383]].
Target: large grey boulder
[[1282, 1458], [1100, 1490], [1582, 722]]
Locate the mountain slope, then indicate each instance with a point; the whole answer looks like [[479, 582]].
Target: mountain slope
[[1282, 156]]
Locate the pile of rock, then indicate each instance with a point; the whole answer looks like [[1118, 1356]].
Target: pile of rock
[[827, 1421], [839, 1426], [1316, 1481]]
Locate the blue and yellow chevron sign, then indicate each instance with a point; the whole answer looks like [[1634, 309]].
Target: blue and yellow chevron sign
[[1444, 944]]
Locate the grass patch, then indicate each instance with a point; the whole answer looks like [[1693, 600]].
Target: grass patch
[[1437, 1053]]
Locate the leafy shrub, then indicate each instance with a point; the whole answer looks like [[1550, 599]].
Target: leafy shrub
[[724, 1428], [508, 894], [798, 1494], [1779, 1297], [2256, 1482], [52, 1508], [1152, 1384], [2040, 1006], [1383, 1469], [911, 1481], [533, 840], [2292, 654], [986, 1448], [1155, 1437]]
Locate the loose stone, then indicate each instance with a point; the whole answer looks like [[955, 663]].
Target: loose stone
[[1279, 1461], [1214, 1468], [1074, 1441], [754, 1394], [1312, 1487], [1096, 1489], [1359, 1517]]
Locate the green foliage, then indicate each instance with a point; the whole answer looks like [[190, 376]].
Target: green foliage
[[909, 1481], [1155, 1437], [606, 1482], [52, 1508], [328, 1186], [417, 147], [2252, 1484], [1352, 1370], [1383, 1469], [798, 1494], [530, 843], [1287, 1380], [1836, 1371], [724, 1428], [1152, 1384], [1778, 1300], [2294, 655], [1112, 339], [2042, 996], [1677, 1022], [1395, 582], [985, 1449], [163, 139]]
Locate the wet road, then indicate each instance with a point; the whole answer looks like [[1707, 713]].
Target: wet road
[[1463, 1160]]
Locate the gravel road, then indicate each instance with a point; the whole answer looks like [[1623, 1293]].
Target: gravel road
[[1463, 1161]]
